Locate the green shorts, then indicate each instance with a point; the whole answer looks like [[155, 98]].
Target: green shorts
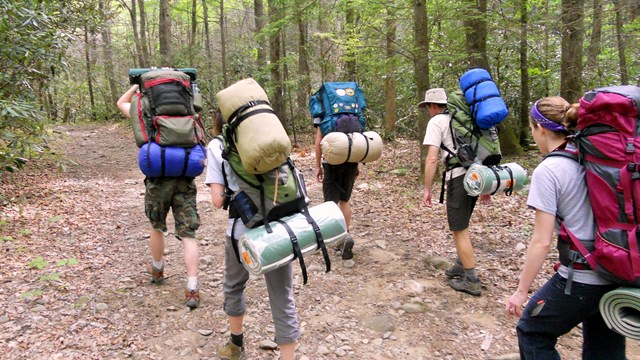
[[177, 194], [459, 204]]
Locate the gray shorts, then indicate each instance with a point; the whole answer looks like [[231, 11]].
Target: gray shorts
[[459, 204], [279, 287]]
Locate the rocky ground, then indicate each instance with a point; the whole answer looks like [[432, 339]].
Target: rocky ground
[[73, 239]]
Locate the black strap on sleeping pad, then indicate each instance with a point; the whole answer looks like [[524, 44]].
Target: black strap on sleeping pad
[[234, 123], [366, 140], [297, 253], [509, 190], [350, 140], [187, 153], [497, 175], [162, 164]]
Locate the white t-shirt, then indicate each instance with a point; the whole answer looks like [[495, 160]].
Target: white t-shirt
[[439, 132], [558, 188], [215, 162]]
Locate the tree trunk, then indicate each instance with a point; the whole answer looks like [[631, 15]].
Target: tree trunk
[[144, 43], [524, 76], [571, 58], [476, 33], [164, 34], [87, 57], [304, 84], [223, 46], [421, 69], [596, 36], [326, 65], [194, 28], [207, 32], [390, 79], [350, 51], [134, 27], [274, 58], [107, 52], [258, 9], [624, 75], [289, 119]]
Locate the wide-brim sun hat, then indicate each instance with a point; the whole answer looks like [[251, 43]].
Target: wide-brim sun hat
[[434, 96]]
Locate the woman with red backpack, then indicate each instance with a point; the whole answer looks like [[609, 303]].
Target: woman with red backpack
[[558, 194]]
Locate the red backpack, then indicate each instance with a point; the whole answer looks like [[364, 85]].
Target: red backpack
[[608, 142]]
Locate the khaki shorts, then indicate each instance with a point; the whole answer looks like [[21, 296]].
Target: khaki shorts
[[177, 194], [459, 204]]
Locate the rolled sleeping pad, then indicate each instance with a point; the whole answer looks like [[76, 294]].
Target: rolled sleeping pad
[[261, 140], [170, 161], [483, 96], [620, 310], [261, 251], [338, 147], [483, 180]]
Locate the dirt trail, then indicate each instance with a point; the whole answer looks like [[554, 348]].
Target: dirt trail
[[74, 246]]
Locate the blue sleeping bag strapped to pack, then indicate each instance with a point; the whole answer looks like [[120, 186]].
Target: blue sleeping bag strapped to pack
[[171, 161], [482, 95], [335, 98]]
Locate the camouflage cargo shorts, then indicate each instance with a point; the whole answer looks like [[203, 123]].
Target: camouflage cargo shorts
[[177, 194]]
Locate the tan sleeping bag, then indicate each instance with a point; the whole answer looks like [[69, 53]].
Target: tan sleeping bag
[[260, 138], [364, 147]]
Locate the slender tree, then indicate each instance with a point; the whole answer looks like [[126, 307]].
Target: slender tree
[[223, 46], [258, 11], [192, 35], [207, 32], [421, 67], [596, 37], [144, 42], [572, 15], [390, 78], [107, 52], [524, 76], [624, 75], [277, 98], [476, 33], [87, 58], [304, 82], [164, 33]]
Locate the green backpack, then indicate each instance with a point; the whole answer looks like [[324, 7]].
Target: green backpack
[[166, 109], [267, 197], [471, 144]]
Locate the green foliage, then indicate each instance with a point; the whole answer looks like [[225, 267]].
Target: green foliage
[[38, 263]]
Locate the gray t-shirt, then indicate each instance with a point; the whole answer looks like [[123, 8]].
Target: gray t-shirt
[[214, 175], [558, 188]]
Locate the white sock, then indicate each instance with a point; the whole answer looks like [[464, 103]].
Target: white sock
[[192, 283], [157, 264]]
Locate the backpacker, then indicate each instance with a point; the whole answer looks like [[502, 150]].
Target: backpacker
[[164, 111], [339, 105], [267, 197], [608, 143]]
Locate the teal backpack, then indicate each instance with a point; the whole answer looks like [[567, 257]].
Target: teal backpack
[[339, 105]]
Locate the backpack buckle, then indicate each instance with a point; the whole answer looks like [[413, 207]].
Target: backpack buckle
[[630, 146], [634, 169]]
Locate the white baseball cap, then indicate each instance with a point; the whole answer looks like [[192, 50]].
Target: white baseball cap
[[434, 96]]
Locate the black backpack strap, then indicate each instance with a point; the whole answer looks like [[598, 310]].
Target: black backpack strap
[[366, 153], [350, 140], [162, 163], [297, 253], [187, 153], [509, 191], [263, 207], [234, 241]]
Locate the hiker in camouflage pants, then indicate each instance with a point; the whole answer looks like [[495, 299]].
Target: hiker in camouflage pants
[[179, 195]]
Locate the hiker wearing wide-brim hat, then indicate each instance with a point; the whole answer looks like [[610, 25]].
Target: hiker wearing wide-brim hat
[[462, 275]]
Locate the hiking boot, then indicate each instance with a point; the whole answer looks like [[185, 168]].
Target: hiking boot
[[464, 284], [347, 248], [454, 271], [193, 298], [229, 351], [157, 275]]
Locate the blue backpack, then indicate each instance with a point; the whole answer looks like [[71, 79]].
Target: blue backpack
[[340, 106]]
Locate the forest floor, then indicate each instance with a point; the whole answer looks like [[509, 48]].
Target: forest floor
[[74, 246]]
